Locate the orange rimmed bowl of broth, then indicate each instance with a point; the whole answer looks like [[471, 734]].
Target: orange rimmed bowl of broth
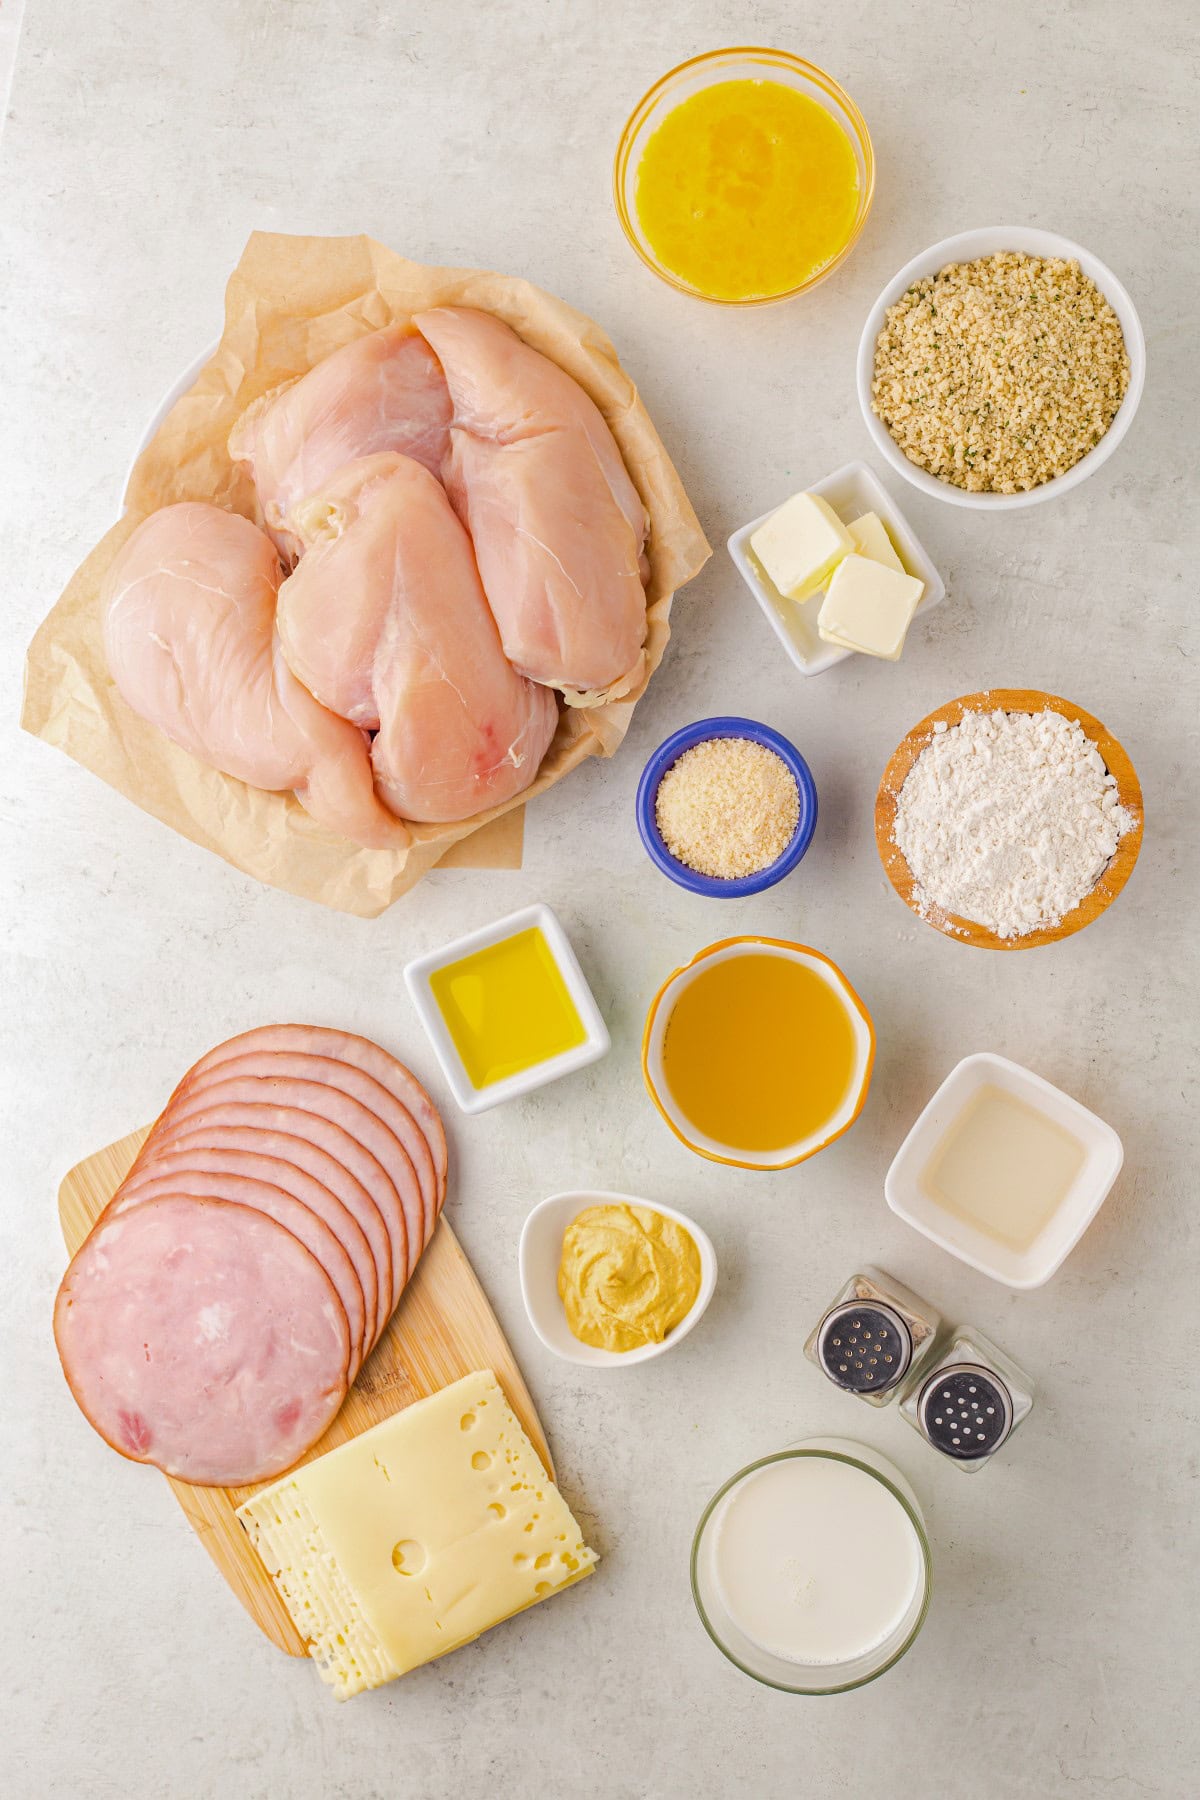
[[758, 1052]]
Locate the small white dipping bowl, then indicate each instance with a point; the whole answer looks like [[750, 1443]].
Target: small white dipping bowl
[[990, 240], [418, 976], [541, 1252], [909, 1200]]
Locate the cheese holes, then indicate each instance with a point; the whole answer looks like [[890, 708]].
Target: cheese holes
[[542, 1561], [497, 1511], [481, 1460], [408, 1557], [543, 1587], [466, 1422]]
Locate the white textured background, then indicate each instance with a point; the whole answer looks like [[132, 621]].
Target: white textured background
[[144, 141]]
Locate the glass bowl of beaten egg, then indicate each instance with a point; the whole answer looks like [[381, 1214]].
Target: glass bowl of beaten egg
[[744, 176]]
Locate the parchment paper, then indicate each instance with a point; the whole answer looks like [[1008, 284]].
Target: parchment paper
[[289, 303]]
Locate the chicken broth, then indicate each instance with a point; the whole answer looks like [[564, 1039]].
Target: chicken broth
[[759, 1052]]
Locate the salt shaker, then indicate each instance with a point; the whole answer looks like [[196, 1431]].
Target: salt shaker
[[874, 1335], [970, 1402]]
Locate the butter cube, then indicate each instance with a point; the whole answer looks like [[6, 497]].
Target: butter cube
[[869, 607], [801, 544], [871, 539]]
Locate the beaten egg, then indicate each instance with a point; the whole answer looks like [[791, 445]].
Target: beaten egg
[[747, 190]]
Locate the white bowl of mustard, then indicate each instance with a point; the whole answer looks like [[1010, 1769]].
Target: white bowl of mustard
[[541, 1258]]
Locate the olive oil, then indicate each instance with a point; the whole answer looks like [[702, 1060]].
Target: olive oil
[[507, 1008], [759, 1052]]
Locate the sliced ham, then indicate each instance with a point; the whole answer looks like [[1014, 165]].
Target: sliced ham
[[359, 1221], [215, 1317], [403, 1193], [383, 1221], [204, 1338], [300, 1204], [359, 1053], [344, 1078]]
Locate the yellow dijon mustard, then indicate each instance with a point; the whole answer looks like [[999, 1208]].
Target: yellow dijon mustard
[[628, 1275]]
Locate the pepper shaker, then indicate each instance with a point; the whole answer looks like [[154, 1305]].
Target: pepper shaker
[[971, 1402], [873, 1336]]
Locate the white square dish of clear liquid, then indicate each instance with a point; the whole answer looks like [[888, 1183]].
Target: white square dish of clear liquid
[[1004, 1170]]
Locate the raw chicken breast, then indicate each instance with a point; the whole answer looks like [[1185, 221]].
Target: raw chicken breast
[[385, 620], [384, 391], [558, 526], [189, 630]]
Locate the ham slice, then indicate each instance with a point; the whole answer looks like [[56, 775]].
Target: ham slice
[[215, 1317], [382, 1222], [359, 1053], [300, 1204], [204, 1338], [361, 1122], [359, 1223]]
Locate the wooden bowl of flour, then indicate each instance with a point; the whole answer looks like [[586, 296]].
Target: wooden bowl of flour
[[1011, 700]]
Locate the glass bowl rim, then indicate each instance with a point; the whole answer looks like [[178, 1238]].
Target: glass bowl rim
[[776, 58], [801, 1450]]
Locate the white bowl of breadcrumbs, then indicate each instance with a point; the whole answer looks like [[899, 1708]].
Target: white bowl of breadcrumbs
[[1001, 367]]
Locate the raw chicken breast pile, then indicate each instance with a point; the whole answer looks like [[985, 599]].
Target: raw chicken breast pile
[[215, 1317], [452, 543]]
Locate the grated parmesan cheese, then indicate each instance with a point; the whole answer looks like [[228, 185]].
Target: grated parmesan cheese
[[727, 808]]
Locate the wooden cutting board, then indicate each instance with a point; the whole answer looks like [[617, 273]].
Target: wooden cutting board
[[443, 1328]]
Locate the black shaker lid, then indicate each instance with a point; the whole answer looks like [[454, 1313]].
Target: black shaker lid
[[864, 1346], [965, 1411]]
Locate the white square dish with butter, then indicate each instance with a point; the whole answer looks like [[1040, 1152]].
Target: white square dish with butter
[[790, 559]]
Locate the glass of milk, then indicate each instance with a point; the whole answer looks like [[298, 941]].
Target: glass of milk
[[811, 1568]]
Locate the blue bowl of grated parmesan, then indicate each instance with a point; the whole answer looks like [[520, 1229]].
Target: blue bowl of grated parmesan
[[726, 807]]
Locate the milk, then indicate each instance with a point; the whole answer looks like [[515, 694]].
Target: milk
[[814, 1560]]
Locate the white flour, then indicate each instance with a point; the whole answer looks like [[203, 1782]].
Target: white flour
[[1008, 819]]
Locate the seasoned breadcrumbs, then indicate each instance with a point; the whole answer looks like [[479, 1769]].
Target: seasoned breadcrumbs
[[727, 808], [997, 375]]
